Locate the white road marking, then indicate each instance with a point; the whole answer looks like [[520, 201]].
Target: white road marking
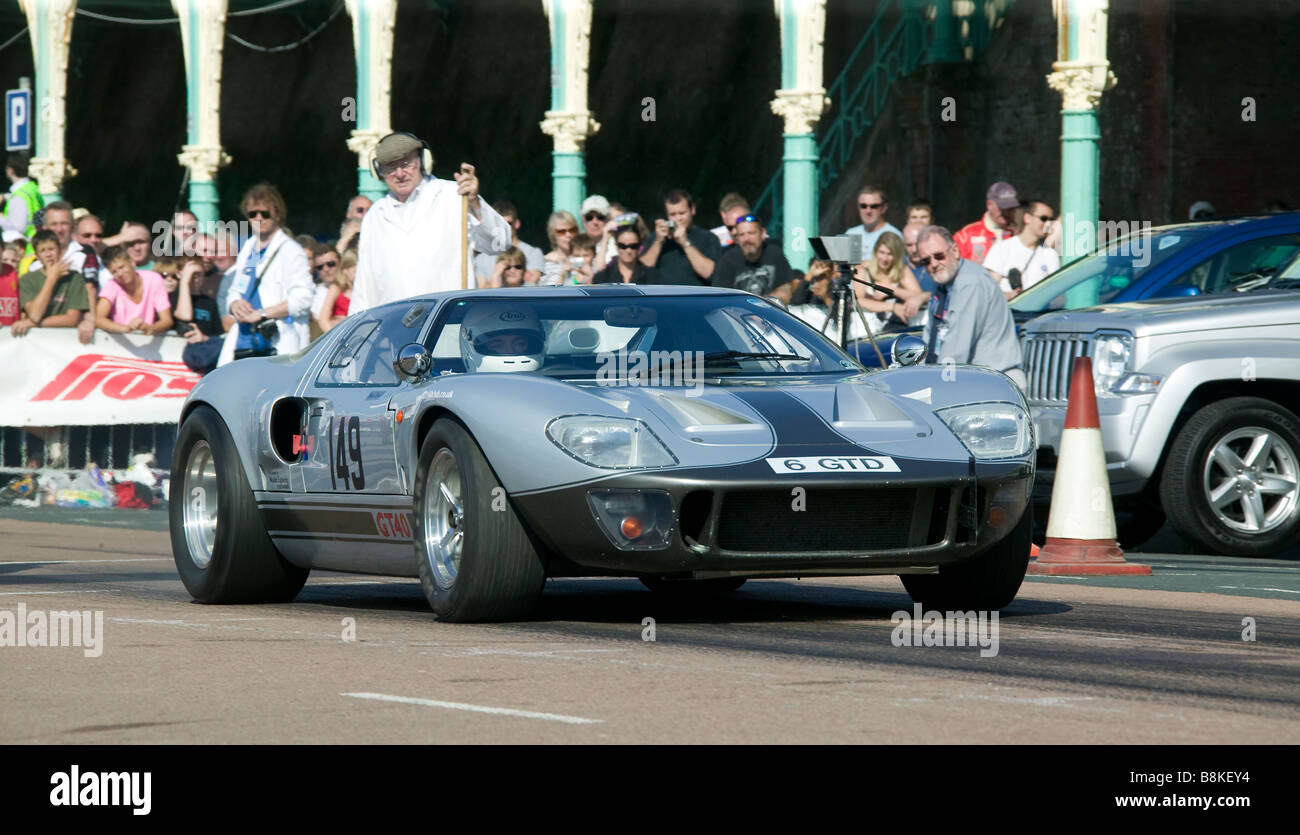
[[79, 562], [499, 711], [79, 591], [1261, 588]]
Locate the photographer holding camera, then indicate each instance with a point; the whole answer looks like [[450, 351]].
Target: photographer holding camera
[[272, 293], [682, 252]]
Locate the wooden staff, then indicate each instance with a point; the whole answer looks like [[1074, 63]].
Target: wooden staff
[[464, 234]]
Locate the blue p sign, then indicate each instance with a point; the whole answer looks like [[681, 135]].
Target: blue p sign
[[18, 123]]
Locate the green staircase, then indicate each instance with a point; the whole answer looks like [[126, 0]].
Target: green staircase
[[903, 36]]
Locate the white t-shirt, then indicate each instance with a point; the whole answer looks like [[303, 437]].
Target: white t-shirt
[[1010, 253]]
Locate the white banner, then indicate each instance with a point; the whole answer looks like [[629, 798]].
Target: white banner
[[48, 378]]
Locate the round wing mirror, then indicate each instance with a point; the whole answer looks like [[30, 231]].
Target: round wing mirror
[[908, 349], [412, 361]]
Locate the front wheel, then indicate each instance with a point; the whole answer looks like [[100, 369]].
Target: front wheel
[[475, 559], [219, 542], [986, 582], [1230, 480]]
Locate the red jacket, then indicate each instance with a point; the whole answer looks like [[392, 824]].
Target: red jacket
[[974, 240], [8, 295]]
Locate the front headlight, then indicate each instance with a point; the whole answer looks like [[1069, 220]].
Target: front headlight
[[990, 430], [1112, 353], [609, 443]]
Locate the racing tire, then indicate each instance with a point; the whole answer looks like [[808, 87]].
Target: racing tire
[[986, 582], [475, 558], [1244, 454], [219, 541], [688, 586]]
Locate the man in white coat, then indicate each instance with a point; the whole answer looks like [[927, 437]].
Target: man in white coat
[[272, 284], [410, 238]]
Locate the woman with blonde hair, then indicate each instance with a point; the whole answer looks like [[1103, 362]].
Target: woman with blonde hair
[[887, 268], [561, 228], [339, 295]]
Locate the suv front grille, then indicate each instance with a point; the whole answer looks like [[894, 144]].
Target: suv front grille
[[1048, 360]]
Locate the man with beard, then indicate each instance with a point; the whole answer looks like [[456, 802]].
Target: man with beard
[[970, 320], [754, 264]]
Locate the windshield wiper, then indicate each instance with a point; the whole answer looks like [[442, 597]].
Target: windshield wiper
[[757, 355]]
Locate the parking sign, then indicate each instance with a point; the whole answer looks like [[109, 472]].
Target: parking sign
[[18, 122]]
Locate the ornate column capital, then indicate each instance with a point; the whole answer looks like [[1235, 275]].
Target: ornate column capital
[[363, 142], [203, 161], [1081, 83], [800, 109], [49, 174], [569, 129]]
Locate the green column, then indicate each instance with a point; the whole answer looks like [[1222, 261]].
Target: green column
[[203, 193], [569, 181], [1080, 187], [44, 92], [367, 183], [799, 170], [946, 47]]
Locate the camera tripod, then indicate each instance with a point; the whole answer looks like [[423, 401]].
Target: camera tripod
[[842, 295]]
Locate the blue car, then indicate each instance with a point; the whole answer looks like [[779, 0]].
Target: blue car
[[1177, 261]]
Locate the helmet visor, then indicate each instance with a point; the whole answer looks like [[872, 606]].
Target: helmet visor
[[508, 343]]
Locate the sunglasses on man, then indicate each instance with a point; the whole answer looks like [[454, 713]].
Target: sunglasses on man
[[870, 205], [938, 258], [590, 216]]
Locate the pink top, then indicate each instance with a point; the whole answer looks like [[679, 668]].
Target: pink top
[[152, 301]]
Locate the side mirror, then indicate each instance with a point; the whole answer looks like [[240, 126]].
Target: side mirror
[[412, 361], [908, 349]]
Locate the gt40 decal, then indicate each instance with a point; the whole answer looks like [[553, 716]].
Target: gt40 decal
[[392, 525], [834, 464]]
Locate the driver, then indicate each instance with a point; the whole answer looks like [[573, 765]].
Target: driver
[[500, 337]]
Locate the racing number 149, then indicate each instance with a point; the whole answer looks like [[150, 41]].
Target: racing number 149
[[344, 452]]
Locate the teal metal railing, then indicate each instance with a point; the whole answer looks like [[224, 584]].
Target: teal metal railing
[[897, 42]]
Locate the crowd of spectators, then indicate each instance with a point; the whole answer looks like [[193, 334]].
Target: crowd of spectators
[[58, 269]]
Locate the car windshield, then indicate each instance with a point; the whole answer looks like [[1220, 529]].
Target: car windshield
[[1098, 278], [612, 338]]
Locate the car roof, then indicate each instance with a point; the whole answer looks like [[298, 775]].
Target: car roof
[[572, 291], [1236, 222]]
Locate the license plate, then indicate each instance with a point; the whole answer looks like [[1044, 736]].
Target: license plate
[[834, 464]]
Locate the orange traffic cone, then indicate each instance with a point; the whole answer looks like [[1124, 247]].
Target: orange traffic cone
[[1081, 521]]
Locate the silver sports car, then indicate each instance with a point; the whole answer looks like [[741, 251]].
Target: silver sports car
[[484, 441]]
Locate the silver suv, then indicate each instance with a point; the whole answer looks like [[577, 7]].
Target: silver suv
[[1198, 403]]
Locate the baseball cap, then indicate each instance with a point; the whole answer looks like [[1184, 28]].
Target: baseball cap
[[1200, 209], [595, 203], [1003, 195], [395, 147]]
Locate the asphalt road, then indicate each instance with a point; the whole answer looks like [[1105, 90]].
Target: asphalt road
[[1146, 660]]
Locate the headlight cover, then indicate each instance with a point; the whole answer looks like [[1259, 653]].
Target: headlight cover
[[990, 430], [610, 443], [1112, 353]]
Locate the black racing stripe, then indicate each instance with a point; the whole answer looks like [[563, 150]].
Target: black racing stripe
[[611, 290], [324, 520], [794, 422], [318, 537]]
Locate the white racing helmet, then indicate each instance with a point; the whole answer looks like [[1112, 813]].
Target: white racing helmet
[[501, 337]]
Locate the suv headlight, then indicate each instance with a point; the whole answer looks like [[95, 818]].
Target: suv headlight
[[1112, 354], [610, 443], [990, 430]]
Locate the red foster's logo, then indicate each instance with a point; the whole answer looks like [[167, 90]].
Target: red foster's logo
[[122, 378]]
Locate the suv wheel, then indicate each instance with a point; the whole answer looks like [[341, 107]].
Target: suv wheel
[[1230, 484]]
